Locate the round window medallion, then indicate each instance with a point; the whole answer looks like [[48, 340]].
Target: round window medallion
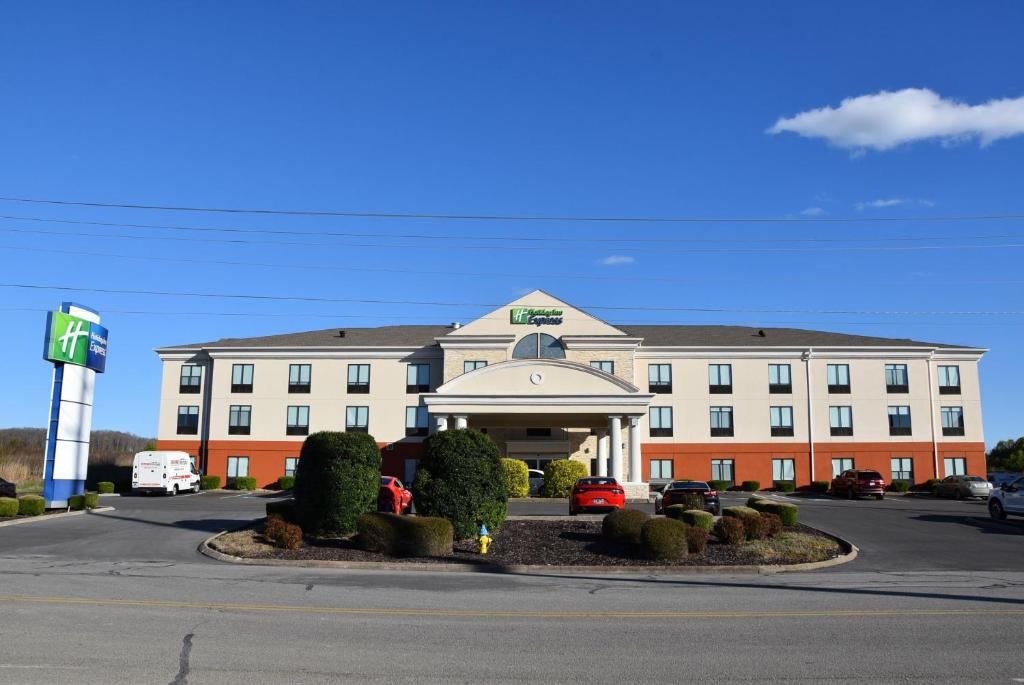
[[536, 378]]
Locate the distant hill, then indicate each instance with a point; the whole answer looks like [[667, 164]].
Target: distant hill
[[22, 450]]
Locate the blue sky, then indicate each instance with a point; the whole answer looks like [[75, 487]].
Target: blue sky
[[624, 109]]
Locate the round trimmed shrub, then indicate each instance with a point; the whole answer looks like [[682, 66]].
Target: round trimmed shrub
[[623, 526], [286, 482], [209, 482], [788, 513], [460, 478], [820, 486], [771, 524], [31, 505], [699, 518], [784, 486], [720, 485], [730, 531], [750, 486], [92, 500], [750, 519], [105, 487], [405, 536], [560, 475], [282, 534], [664, 539], [8, 507], [696, 539], [76, 502], [899, 486], [675, 511], [245, 483], [337, 479], [517, 477]]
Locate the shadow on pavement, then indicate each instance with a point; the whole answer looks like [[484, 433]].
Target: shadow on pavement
[[213, 525], [985, 525]]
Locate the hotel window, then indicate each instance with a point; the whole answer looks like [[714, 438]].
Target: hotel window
[[902, 468], [298, 421], [357, 419], [472, 366], [239, 419], [290, 466], [953, 421], [899, 421], [415, 421], [661, 422], [661, 469], [538, 346], [299, 377], [782, 421], [721, 422], [191, 378], [841, 464], [719, 379], [783, 470], [359, 379], [839, 378], [896, 378], [606, 366], [779, 379], [241, 378], [417, 378], [188, 420], [659, 378], [238, 467], [949, 380], [723, 469], [955, 466], [840, 420]]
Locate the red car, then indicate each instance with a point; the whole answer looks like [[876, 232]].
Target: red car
[[856, 482], [393, 496], [596, 493]]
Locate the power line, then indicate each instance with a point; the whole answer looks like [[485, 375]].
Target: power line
[[514, 217], [435, 303]]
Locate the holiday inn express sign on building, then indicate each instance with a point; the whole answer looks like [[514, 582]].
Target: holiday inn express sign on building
[[535, 317], [72, 340]]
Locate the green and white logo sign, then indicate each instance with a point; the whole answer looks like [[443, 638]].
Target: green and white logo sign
[[72, 340], [535, 317]]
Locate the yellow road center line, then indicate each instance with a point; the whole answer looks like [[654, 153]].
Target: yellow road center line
[[480, 613]]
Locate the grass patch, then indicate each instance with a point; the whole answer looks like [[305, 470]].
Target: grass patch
[[794, 548]]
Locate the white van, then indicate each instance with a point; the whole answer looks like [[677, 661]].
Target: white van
[[167, 472]]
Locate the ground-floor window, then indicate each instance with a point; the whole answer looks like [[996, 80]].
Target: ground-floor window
[[783, 470], [661, 469], [723, 469], [841, 464], [955, 466], [903, 469], [290, 464], [238, 467]]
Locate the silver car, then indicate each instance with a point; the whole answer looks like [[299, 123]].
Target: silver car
[[963, 486]]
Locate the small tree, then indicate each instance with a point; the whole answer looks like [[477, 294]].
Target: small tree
[[337, 479], [517, 477], [461, 478], [560, 475]]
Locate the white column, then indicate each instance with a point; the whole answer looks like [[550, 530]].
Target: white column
[[461, 421], [615, 435], [440, 423], [635, 469], [602, 453]]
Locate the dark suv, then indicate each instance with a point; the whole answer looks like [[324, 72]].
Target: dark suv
[[687, 492], [857, 482]]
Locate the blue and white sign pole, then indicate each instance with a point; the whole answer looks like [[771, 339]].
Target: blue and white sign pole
[[76, 343]]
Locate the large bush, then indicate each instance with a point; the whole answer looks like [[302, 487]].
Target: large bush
[[337, 479], [461, 478], [31, 505], [209, 482], [788, 513], [664, 539], [560, 475], [623, 526], [8, 507], [405, 536], [517, 477]]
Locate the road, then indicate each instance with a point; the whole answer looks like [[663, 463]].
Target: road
[[122, 597]]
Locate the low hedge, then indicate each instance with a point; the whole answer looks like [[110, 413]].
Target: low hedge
[[624, 526], [8, 507], [283, 508], [76, 502], [282, 534], [105, 487], [560, 475], [784, 486], [664, 539], [704, 520], [209, 482], [720, 485], [405, 536], [92, 500], [31, 505], [750, 486], [750, 518], [899, 486], [245, 483], [286, 482], [789, 513], [730, 531], [820, 486]]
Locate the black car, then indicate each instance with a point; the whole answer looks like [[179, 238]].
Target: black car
[[7, 489], [677, 492]]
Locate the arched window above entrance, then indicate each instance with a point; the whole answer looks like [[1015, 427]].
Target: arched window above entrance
[[538, 346]]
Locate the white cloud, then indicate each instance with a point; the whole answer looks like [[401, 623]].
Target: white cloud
[[892, 202], [617, 260], [887, 119], [814, 211]]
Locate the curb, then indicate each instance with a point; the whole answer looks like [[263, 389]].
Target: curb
[[37, 519], [761, 570]]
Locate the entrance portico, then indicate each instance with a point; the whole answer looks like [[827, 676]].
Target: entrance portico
[[511, 399]]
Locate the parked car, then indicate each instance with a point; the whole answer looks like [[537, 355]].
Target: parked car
[[1008, 499], [7, 488], [858, 482], [596, 492], [536, 481], [676, 492], [963, 486], [393, 497]]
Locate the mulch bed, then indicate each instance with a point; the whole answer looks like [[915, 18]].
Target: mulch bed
[[555, 543]]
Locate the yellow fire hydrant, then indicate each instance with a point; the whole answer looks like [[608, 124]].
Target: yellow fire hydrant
[[485, 539]]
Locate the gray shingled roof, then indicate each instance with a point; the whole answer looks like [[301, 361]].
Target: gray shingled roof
[[654, 336]]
